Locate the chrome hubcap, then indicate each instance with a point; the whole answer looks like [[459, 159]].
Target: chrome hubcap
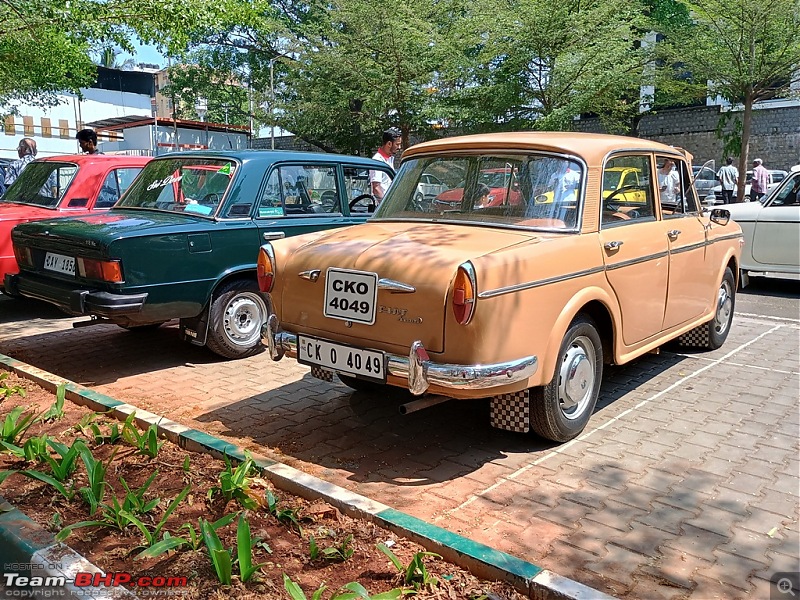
[[724, 307], [576, 378], [243, 317]]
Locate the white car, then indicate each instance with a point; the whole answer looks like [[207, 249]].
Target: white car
[[771, 229], [429, 187]]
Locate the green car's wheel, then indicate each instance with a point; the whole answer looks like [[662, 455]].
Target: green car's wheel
[[234, 325]]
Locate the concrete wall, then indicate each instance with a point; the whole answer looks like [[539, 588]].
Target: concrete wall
[[775, 134]]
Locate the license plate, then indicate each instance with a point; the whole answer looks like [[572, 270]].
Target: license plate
[[350, 295], [59, 263], [341, 358]]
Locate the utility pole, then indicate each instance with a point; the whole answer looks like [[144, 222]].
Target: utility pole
[[272, 101]]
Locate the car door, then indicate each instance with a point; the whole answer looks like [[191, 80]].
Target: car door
[[776, 240], [635, 251], [691, 283], [299, 198]]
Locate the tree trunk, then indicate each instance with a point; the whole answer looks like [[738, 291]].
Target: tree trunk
[[747, 118]]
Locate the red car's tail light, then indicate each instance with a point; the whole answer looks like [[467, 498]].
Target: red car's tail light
[[265, 268], [464, 292], [23, 256], [104, 270]]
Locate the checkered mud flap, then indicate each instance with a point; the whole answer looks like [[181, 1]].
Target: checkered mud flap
[[511, 411], [696, 338], [323, 374]]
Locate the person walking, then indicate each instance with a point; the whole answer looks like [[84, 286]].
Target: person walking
[[26, 150], [760, 181], [379, 180], [87, 140], [728, 177]]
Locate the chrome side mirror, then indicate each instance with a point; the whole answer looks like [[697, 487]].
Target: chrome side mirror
[[720, 216]]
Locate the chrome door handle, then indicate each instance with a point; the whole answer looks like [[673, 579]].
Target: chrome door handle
[[673, 234], [274, 235], [615, 245]]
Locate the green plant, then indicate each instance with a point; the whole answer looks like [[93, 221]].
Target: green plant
[[416, 573], [244, 550], [56, 410], [194, 541], [235, 483], [15, 425], [96, 472], [82, 426], [33, 450], [286, 515], [354, 590], [145, 442], [62, 468], [220, 556], [44, 477], [338, 553], [9, 390]]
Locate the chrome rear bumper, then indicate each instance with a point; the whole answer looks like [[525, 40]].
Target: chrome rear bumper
[[417, 368]]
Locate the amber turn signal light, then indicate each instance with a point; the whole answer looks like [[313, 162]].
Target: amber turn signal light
[[103, 270], [464, 289], [265, 268]]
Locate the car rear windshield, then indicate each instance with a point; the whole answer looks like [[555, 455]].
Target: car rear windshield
[[187, 184], [542, 191], [41, 184]]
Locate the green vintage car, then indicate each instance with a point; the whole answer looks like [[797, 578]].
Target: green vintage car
[[182, 242]]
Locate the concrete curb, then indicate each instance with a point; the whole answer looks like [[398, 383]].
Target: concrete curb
[[479, 559], [35, 552]]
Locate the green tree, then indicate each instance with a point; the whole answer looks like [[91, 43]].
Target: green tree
[[745, 50]]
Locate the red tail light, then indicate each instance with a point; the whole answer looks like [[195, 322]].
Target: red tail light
[[23, 256], [265, 268], [103, 270], [464, 293]]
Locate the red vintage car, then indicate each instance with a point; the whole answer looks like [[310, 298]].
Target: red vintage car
[[496, 187], [62, 186]]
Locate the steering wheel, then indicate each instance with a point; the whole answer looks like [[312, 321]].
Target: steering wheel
[[609, 205], [357, 199], [211, 198]]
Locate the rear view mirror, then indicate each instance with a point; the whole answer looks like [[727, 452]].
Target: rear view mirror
[[720, 216]]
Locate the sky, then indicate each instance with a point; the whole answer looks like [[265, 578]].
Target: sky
[[145, 54]]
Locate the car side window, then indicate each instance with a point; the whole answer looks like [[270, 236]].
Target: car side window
[[676, 192], [627, 196], [358, 189], [300, 190], [116, 182]]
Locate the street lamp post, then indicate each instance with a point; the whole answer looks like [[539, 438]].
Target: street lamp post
[[272, 101]]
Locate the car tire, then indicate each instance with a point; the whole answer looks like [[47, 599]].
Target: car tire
[[234, 325], [720, 325], [360, 385], [560, 410]]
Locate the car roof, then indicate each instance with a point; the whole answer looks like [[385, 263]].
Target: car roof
[[591, 147], [272, 156]]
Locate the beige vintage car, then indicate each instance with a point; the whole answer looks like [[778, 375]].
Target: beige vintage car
[[522, 303]]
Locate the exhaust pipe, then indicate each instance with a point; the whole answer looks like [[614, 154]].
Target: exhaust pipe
[[426, 402]]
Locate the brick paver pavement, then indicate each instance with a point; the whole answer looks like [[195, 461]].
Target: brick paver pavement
[[685, 484]]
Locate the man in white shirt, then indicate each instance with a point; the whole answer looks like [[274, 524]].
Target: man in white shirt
[[728, 177], [379, 180]]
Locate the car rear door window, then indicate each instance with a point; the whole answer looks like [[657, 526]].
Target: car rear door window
[[300, 189], [627, 193]]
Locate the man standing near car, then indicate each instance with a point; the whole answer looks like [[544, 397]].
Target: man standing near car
[[758, 186], [380, 180], [87, 140], [728, 177]]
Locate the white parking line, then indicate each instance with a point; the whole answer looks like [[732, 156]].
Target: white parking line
[[744, 366], [767, 317], [620, 416]]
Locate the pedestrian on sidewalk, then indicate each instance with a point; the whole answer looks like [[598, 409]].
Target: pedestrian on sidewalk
[[758, 185], [379, 180], [728, 177], [26, 150], [87, 140]]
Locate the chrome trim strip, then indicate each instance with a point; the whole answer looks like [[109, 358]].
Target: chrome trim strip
[[310, 275], [395, 287], [688, 248], [534, 284], [636, 261], [730, 236], [418, 372]]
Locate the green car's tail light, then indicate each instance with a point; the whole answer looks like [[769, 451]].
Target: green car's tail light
[[23, 256], [464, 291], [103, 270], [265, 268]]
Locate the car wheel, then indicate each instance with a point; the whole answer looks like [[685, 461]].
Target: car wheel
[[560, 410], [720, 325], [360, 385], [234, 326]]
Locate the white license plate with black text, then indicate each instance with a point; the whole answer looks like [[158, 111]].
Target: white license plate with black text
[[351, 295], [340, 358], [59, 263]]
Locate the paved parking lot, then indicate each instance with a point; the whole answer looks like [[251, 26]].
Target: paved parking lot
[[685, 484]]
